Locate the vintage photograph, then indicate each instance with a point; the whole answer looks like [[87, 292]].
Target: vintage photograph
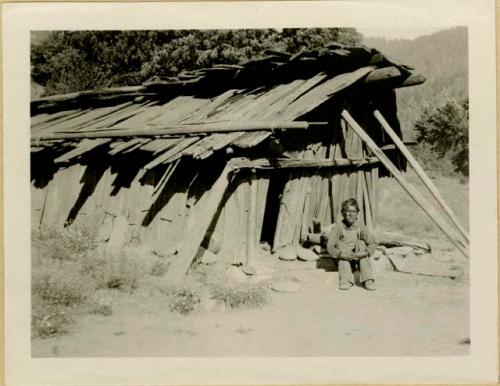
[[266, 192]]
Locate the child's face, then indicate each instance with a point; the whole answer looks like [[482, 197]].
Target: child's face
[[351, 215]]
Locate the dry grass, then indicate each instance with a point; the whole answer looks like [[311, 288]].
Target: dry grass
[[399, 213], [73, 275], [68, 267]]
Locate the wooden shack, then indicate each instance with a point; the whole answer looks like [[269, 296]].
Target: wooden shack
[[235, 155]]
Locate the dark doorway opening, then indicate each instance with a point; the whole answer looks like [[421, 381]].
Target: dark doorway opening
[[277, 181]]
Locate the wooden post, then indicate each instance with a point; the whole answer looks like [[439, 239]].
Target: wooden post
[[375, 195], [252, 226], [421, 173], [417, 197]]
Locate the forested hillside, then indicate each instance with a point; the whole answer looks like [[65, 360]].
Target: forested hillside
[[442, 58]]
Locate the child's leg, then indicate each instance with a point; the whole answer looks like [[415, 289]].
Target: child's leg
[[345, 273], [346, 278], [365, 266]]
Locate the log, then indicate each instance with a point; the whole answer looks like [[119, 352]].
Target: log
[[198, 229], [417, 197], [186, 129], [421, 174], [393, 77], [300, 163], [367, 203]]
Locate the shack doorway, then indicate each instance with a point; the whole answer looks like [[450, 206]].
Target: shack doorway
[[277, 183]]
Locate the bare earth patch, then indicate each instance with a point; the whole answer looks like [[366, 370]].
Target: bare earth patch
[[407, 315]]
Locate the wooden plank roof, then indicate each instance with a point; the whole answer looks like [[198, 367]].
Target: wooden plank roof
[[281, 89]]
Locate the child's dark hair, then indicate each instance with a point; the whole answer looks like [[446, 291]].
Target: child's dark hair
[[347, 203]]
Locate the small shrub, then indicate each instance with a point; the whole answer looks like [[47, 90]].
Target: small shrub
[[60, 283], [240, 295], [183, 299], [48, 319], [121, 270], [103, 309], [68, 244]]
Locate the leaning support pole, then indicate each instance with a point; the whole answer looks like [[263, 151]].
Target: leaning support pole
[[421, 173], [198, 229], [419, 199]]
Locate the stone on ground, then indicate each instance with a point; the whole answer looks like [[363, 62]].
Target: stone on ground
[[306, 254], [287, 253], [249, 269]]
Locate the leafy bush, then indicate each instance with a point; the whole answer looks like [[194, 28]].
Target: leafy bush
[[240, 295], [57, 285], [67, 244], [103, 309], [446, 130], [183, 299], [48, 319], [60, 283], [115, 270]]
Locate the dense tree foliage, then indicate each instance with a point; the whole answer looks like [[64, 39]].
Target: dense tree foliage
[[446, 129], [66, 61]]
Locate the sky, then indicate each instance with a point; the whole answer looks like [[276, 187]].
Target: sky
[[398, 33]]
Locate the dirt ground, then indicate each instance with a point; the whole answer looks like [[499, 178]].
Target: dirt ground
[[414, 315], [421, 314]]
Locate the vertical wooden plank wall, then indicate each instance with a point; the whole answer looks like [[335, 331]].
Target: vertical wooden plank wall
[[307, 196], [37, 203]]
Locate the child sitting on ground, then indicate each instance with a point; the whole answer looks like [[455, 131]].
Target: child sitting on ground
[[352, 244]]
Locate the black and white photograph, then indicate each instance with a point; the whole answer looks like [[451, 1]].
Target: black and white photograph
[[276, 191], [222, 191]]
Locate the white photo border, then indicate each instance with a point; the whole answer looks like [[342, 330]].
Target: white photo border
[[478, 367]]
